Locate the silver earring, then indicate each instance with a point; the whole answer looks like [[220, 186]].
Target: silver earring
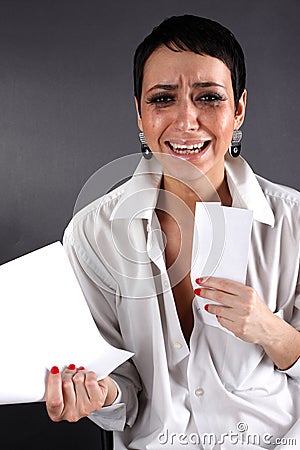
[[146, 152], [235, 145]]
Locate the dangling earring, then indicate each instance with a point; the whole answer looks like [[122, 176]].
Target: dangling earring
[[146, 152], [235, 145]]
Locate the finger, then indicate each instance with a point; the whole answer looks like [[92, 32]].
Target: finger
[[54, 395], [224, 312], [109, 390], [70, 368], [221, 284], [68, 388], [82, 397], [226, 323], [217, 296], [97, 392], [90, 397], [81, 390]]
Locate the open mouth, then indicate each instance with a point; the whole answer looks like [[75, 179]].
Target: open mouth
[[183, 149]]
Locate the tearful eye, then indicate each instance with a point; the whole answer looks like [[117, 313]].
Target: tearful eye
[[210, 98], [160, 99]]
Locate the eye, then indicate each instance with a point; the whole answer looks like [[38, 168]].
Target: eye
[[210, 98], [161, 99]]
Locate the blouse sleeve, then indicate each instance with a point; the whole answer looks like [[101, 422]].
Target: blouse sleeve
[[101, 293], [294, 370]]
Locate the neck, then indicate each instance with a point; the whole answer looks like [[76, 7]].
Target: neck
[[201, 189]]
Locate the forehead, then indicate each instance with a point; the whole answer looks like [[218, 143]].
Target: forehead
[[167, 66]]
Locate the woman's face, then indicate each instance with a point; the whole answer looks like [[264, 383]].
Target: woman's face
[[188, 110]]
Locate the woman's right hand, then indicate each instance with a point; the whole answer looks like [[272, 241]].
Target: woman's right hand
[[76, 393]]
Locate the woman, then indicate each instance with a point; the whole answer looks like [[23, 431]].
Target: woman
[[188, 383]]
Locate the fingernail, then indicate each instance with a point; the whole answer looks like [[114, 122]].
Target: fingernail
[[81, 368], [71, 367], [197, 291], [199, 280], [54, 370], [206, 307]]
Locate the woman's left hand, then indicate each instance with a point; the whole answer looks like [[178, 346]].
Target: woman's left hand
[[245, 314], [242, 311]]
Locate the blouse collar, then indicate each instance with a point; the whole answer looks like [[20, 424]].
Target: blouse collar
[[139, 198]]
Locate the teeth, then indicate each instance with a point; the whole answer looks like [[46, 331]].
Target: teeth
[[187, 149]]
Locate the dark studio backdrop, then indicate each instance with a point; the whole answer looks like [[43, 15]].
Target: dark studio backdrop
[[66, 109]]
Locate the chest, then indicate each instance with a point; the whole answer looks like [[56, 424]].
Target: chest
[[178, 248]]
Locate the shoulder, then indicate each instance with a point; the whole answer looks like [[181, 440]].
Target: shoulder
[[87, 239], [97, 213], [284, 202], [278, 193]]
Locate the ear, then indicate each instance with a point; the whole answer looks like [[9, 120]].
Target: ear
[[241, 110], [139, 120]]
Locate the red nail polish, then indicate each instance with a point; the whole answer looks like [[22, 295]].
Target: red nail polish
[[71, 367], [81, 368], [199, 280], [206, 307], [54, 370], [197, 291]]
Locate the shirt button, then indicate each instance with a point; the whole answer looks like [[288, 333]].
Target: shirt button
[[177, 345], [166, 284], [199, 392]]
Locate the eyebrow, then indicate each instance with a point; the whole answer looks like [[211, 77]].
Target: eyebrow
[[198, 84]]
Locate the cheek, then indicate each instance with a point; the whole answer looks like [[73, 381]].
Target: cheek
[[221, 126], [154, 123], [226, 126]]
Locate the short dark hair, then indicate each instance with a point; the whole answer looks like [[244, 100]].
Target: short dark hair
[[199, 35]]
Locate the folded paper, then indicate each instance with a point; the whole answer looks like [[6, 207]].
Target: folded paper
[[220, 247], [45, 321]]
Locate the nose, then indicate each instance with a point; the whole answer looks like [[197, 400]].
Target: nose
[[187, 117]]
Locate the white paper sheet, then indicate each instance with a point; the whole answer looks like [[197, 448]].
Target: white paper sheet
[[220, 247], [45, 321]]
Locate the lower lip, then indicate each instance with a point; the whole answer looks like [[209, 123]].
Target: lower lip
[[190, 156]]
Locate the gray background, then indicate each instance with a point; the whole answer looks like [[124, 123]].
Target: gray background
[[66, 109], [66, 102]]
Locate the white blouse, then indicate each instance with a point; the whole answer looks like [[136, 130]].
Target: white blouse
[[221, 392]]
